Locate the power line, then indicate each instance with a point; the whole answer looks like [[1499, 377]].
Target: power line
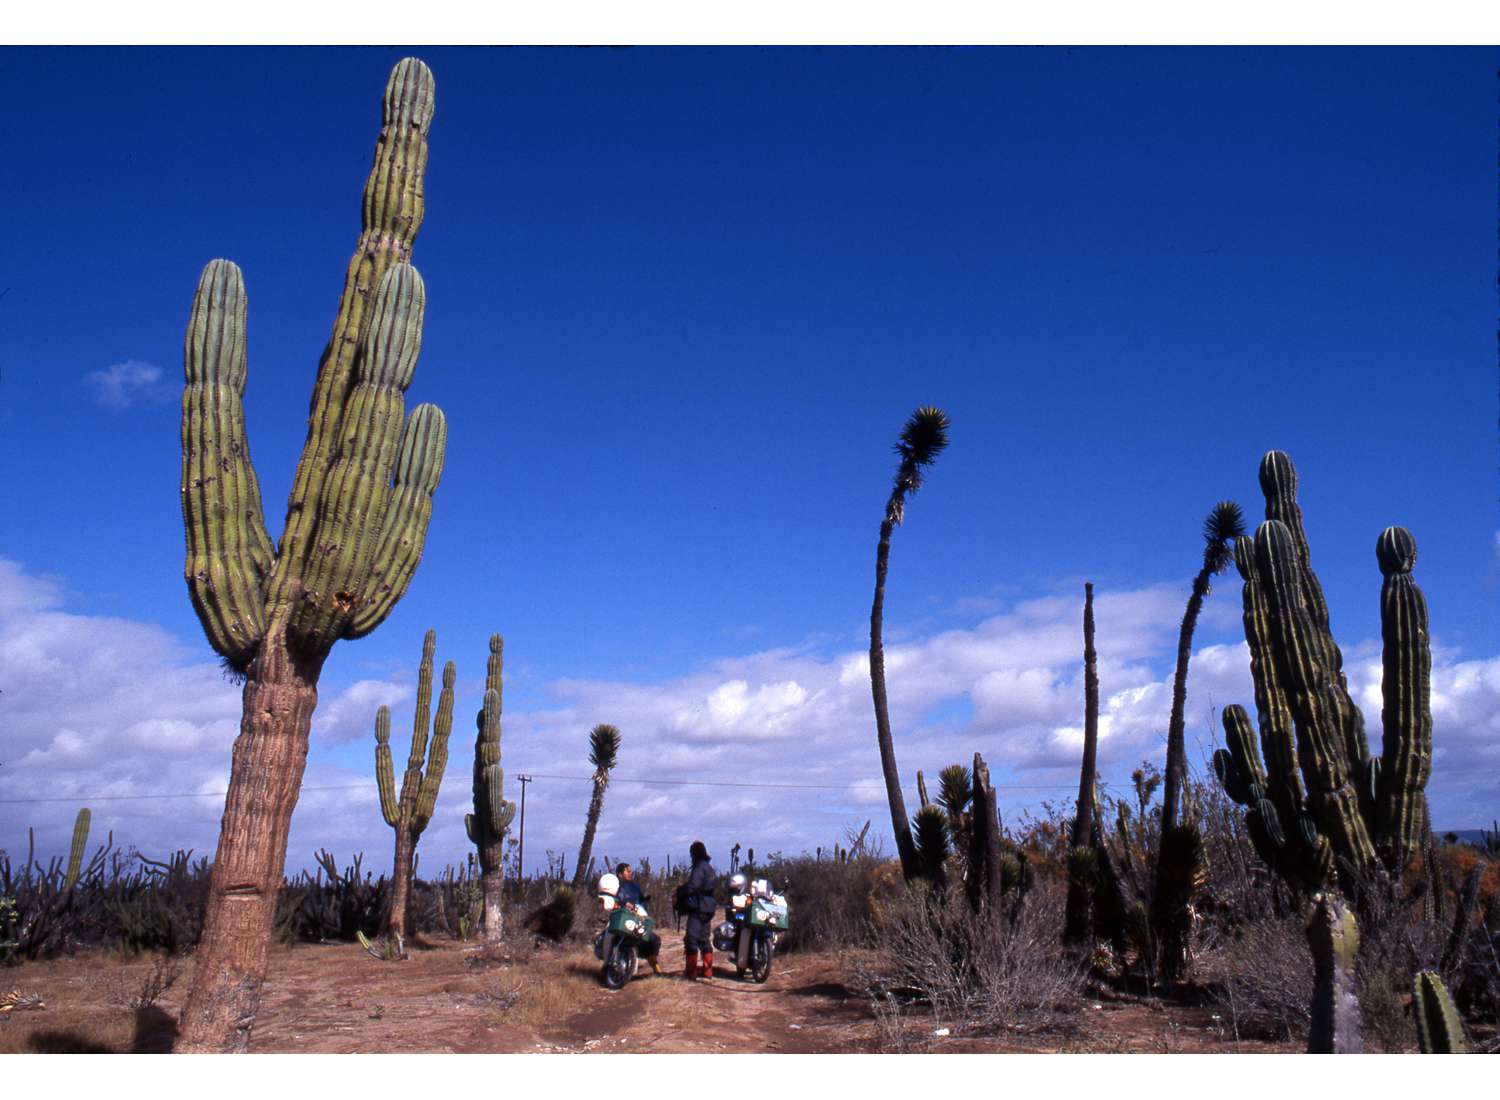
[[542, 775]]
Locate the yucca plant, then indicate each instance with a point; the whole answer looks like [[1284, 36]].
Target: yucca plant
[[604, 751], [923, 438], [1170, 911], [932, 845]]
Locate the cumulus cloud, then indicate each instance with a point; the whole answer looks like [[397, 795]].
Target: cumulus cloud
[[773, 750], [124, 384]]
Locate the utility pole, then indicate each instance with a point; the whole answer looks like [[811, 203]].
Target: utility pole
[[521, 853]]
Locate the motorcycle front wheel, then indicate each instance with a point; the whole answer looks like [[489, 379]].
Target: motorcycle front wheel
[[619, 967], [760, 958]]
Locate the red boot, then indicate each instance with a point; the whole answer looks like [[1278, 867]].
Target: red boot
[[708, 965], [692, 965]]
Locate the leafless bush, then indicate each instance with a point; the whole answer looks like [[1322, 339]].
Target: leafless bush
[[979, 972], [122, 993], [1267, 978]]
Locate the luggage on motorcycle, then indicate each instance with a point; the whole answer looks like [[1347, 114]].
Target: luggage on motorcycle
[[768, 913], [629, 922]]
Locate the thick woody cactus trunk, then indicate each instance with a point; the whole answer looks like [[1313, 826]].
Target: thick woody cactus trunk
[[900, 828], [492, 813], [986, 882], [409, 813], [356, 523]]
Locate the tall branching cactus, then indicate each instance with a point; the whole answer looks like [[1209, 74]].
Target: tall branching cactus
[[604, 751], [1320, 808], [355, 526], [409, 812], [492, 813]]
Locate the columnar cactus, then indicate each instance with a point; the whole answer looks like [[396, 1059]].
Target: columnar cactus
[[492, 813], [1333, 936], [1345, 813], [355, 526], [1440, 1029], [75, 853], [1082, 860], [409, 813]]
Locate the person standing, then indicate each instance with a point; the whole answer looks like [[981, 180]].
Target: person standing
[[700, 906]]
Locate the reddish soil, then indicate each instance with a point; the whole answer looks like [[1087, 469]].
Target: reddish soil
[[447, 998]]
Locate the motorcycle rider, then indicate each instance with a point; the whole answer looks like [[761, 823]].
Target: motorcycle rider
[[629, 893], [700, 913]]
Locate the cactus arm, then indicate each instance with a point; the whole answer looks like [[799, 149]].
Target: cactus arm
[[357, 492], [393, 207], [1406, 717], [229, 554], [421, 719], [419, 466], [1440, 1029], [385, 774], [437, 754]]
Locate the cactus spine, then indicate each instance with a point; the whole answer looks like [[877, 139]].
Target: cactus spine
[[1321, 805], [492, 813], [356, 523], [409, 813], [1440, 1029]]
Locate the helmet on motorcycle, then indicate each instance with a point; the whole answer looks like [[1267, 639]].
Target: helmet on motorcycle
[[737, 883], [609, 884]]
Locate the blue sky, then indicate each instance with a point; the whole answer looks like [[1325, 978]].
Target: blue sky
[[679, 303]]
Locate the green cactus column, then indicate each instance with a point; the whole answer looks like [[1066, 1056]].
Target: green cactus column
[[1333, 937], [355, 525], [492, 813], [409, 813]]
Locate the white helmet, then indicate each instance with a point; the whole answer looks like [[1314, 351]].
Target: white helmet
[[609, 884], [737, 883]]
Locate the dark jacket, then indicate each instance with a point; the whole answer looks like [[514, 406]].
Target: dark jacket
[[701, 884], [629, 894]]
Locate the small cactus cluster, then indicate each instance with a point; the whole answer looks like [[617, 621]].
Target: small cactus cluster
[[409, 812], [492, 813], [1321, 807]]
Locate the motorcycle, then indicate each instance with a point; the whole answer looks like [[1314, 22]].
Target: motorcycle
[[757, 917], [619, 946]]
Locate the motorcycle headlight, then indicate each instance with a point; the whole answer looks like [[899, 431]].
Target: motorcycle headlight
[[609, 902], [631, 926], [739, 901]]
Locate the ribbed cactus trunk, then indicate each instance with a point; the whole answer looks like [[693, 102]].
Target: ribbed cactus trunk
[[492, 813], [356, 523], [1333, 937]]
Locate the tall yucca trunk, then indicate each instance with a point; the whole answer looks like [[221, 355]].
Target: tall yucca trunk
[[899, 822], [585, 850], [1083, 871]]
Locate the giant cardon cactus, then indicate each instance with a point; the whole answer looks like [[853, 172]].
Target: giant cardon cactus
[[492, 813], [1320, 807], [409, 812], [355, 526]]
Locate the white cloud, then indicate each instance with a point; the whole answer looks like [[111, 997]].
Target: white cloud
[[157, 718], [123, 384]]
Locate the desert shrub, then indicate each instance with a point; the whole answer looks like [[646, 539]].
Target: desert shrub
[[121, 992], [1266, 978], [978, 972], [829, 901]]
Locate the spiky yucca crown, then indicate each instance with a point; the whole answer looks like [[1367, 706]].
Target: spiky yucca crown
[[955, 789], [1224, 525], [604, 746], [923, 438]]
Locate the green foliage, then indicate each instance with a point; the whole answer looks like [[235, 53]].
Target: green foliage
[[554, 920], [932, 844], [604, 747]]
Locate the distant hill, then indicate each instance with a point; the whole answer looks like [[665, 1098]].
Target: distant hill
[[1465, 836]]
